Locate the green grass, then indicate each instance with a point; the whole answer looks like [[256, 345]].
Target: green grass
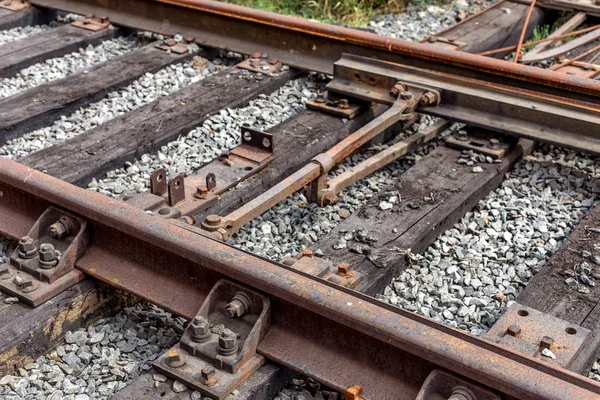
[[348, 12]]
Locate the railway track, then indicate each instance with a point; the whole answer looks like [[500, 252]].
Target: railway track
[[161, 219]]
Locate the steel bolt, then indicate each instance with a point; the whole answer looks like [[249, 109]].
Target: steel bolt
[[462, 135], [353, 392], [213, 220], [343, 269], [406, 95], [494, 144], [461, 393], [200, 329], [174, 358], [396, 89], [227, 342], [235, 309], [28, 285], [48, 256], [428, 99], [546, 342], [201, 193], [208, 376], [26, 247], [343, 104], [513, 330], [306, 253], [61, 228]]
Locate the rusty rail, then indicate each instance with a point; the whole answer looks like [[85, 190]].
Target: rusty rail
[[310, 45], [315, 325]]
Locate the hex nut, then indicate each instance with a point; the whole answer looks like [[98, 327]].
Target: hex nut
[[59, 229], [200, 329], [494, 144], [462, 135], [306, 253], [26, 247], [227, 342], [48, 256]]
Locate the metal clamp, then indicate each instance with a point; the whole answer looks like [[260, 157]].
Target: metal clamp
[[442, 384], [92, 23], [174, 46], [341, 274], [43, 264], [217, 351]]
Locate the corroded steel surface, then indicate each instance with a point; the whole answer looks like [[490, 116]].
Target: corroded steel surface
[[315, 325], [308, 44]]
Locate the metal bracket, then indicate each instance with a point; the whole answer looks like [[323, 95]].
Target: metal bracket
[[217, 351], [15, 5], [531, 332], [43, 264], [174, 46], [187, 197], [341, 274], [340, 108], [479, 141], [92, 23], [256, 63], [442, 385], [450, 44]]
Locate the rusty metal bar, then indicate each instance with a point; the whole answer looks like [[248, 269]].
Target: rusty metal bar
[[316, 326], [372, 164], [309, 45], [558, 120], [320, 166]]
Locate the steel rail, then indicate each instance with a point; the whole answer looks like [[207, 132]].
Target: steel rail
[[315, 324], [310, 45]]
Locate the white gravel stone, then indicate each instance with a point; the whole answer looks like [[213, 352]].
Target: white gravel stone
[[418, 21], [485, 260], [81, 370], [148, 88], [60, 67], [22, 32], [219, 133]]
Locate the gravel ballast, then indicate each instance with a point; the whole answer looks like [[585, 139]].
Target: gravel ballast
[[144, 90], [60, 67], [475, 270], [96, 362]]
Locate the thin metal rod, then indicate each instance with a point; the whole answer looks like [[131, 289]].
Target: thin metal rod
[[383, 158], [579, 57], [522, 37], [548, 39]]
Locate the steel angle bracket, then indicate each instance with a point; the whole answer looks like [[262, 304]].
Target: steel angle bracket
[[559, 118], [217, 351], [183, 197], [92, 23], [43, 264]]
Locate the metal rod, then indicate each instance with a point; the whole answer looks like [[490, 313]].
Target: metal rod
[[372, 164], [259, 205], [548, 39], [579, 57], [522, 37]]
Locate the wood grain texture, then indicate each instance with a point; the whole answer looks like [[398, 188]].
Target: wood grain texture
[[37, 107]]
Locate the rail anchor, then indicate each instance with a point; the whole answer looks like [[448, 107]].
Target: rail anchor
[[43, 264], [217, 351]]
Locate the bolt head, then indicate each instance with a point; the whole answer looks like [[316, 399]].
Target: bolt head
[[57, 230], [406, 95], [227, 339], [199, 326], [546, 342], [343, 269], [462, 135], [235, 309], [494, 143], [26, 244], [208, 376], [306, 253], [513, 330], [174, 358], [47, 252], [213, 220]]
